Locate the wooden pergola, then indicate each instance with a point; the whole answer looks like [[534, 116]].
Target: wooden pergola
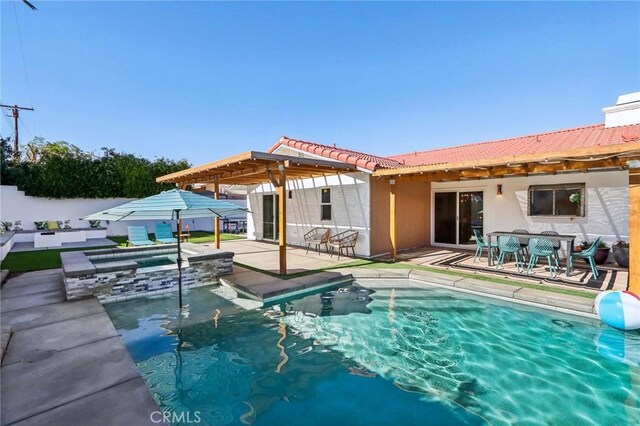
[[625, 156], [254, 167]]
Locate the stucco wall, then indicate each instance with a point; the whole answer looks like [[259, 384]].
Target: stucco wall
[[606, 209], [349, 200], [15, 205]]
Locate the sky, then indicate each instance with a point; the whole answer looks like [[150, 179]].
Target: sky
[[205, 80]]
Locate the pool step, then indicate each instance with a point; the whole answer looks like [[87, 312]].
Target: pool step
[[268, 289]]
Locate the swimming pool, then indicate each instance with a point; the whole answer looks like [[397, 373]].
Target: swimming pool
[[402, 353], [143, 261]]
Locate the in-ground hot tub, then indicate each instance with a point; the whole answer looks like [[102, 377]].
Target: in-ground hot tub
[[118, 274]]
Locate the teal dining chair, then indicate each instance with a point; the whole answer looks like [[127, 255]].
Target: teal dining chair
[[586, 254], [482, 244], [542, 247], [555, 241], [509, 245]]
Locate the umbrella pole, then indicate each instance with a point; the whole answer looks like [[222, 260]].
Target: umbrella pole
[[179, 258]]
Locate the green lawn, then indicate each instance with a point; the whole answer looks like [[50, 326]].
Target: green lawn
[[48, 259], [26, 261]]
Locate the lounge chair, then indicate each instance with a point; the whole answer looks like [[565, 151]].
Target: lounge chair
[[138, 236], [344, 241], [164, 235], [317, 236]]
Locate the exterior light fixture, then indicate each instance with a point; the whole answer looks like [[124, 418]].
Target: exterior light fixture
[[392, 181], [499, 189], [281, 167]]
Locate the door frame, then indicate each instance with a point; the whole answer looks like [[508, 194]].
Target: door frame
[[457, 190]]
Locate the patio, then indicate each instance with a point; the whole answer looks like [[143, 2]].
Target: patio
[[611, 277], [265, 256]]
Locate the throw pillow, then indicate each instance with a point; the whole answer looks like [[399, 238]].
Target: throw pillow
[[94, 223], [2, 228], [41, 226], [66, 224], [8, 226], [17, 225], [52, 224]]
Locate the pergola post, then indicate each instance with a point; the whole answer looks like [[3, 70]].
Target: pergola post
[[282, 218], [393, 249], [216, 221], [634, 226]]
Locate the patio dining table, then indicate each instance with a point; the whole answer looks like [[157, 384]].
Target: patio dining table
[[568, 239]]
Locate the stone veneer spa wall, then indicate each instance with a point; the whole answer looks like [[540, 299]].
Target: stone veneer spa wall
[[118, 274]]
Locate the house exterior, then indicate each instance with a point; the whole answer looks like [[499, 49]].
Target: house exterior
[[580, 181], [443, 212]]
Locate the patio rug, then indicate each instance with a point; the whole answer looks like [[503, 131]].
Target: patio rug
[[581, 277]]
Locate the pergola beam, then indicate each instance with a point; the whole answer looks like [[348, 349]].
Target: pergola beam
[[249, 163], [393, 234], [282, 218], [216, 221], [527, 169], [634, 226]]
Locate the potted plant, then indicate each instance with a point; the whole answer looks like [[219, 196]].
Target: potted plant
[[601, 254], [575, 197], [621, 253]]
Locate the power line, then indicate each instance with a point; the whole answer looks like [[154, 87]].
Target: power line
[[24, 125], [24, 61], [15, 109], [8, 118]]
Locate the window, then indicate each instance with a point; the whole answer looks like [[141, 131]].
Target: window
[[556, 200], [325, 204]]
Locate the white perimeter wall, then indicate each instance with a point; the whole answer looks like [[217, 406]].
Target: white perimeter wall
[[349, 201], [15, 205], [606, 214]]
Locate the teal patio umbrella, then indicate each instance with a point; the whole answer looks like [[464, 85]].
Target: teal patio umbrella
[[174, 204]]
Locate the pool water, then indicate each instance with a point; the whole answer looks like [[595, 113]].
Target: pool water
[[142, 261], [402, 353]]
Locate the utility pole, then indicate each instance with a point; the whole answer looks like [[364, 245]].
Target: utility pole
[[15, 109]]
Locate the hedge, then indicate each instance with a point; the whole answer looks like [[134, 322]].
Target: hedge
[[72, 173]]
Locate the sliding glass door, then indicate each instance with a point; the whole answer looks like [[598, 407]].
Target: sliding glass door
[[444, 221], [470, 209], [456, 215], [270, 211]]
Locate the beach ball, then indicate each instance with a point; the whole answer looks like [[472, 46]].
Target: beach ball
[[619, 309]]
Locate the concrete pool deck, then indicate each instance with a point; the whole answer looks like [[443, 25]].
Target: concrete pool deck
[[64, 362]]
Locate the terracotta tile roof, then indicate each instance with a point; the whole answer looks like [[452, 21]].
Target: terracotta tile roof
[[359, 159], [561, 140]]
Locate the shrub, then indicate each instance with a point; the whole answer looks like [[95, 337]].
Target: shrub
[[62, 170]]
